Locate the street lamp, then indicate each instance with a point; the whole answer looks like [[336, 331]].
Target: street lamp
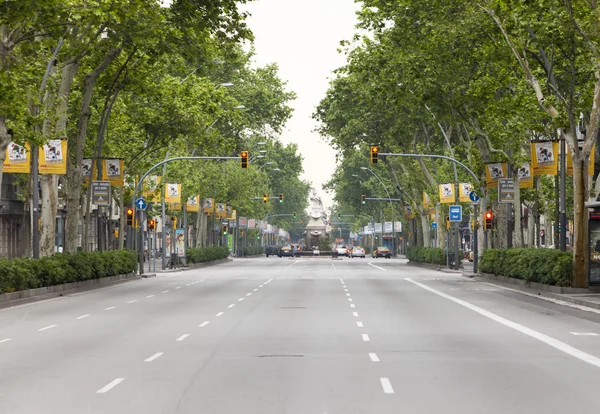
[[391, 206], [265, 164]]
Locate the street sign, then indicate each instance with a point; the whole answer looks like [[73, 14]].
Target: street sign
[[141, 204], [434, 225], [455, 213], [474, 197], [101, 193], [506, 190]]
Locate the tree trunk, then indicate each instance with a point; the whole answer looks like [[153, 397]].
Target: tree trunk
[[76, 147], [580, 196], [425, 226], [121, 244], [518, 228], [441, 227]]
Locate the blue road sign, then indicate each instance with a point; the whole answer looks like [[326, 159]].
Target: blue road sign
[[141, 204], [456, 213], [473, 196], [434, 225]]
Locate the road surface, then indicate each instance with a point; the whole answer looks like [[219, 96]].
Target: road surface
[[299, 336]]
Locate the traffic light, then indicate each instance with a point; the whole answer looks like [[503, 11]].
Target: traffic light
[[294, 214], [174, 220], [224, 229], [244, 156], [241, 232], [265, 198], [339, 216], [130, 217], [489, 218], [281, 198], [374, 154], [151, 224], [447, 223], [363, 199]]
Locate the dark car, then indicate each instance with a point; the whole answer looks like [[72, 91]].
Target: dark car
[[286, 251], [272, 251]]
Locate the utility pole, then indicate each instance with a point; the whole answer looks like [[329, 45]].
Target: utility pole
[[562, 235]]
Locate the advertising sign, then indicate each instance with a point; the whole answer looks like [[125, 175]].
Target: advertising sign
[[192, 204], [17, 159], [544, 158], [493, 172], [173, 193], [208, 205], [447, 193], [53, 157]]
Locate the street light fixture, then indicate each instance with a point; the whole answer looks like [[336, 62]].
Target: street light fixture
[[265, 164], [240, 107]]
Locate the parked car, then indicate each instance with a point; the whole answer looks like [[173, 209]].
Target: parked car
[[272, 250], [382, 251], [286, 251], [357, 251]]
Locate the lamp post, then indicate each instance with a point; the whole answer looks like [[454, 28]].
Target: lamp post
[[265, 164], [391, 206]]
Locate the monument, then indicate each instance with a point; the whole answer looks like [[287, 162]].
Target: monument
[[317, 222]]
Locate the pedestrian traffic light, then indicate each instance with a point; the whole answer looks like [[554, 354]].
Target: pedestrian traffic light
[[374, 154], [151, 224], [281, 198], [174, 220], [265, 198], [489, 219], [130, 217], [363, 199], [294, 214], [447, 223], [224, 229], [244, 156], [339, 216], [241, 232]]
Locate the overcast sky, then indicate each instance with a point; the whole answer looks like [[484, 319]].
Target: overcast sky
[[302, 37]]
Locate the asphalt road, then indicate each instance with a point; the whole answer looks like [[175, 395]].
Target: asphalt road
[[300, 336]]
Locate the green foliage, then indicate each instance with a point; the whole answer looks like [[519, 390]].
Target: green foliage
[[433, 255], [22, 274], [548, 266], [206, 254], [253, 250]]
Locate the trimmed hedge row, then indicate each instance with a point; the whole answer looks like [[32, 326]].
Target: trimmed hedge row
[[433, 255], [548, 266], [23, 274], [253, 250], [206, 254]]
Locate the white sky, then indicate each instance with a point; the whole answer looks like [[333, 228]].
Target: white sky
[[302, 37]]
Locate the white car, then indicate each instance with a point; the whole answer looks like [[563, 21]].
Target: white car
[[342, 250], [357, 252]]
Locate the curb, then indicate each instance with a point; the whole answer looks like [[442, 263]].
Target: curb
[[192, 266], [430, 266]]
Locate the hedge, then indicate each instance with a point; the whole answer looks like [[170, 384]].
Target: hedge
[[432, 255], [253, 250], [548, 266], [206, 254], [22, 274]]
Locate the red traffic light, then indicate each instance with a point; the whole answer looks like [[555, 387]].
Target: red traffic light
[[489, 215]]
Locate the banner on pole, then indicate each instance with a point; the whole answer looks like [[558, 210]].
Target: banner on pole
[[192, 204], [525, 176], [173, 193], [493, 172], [17, 159], [446, 193], [544, 158], [464, 189], [53, 157]]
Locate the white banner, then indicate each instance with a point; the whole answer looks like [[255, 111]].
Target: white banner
[[251, 223], [388, 227], [398, 226], [377, 227]]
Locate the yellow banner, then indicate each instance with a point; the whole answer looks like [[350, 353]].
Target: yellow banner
[[544, 158], [570, 162], [17, 159], [426, 200], [192, 204], [208, 205], [151, 187], [408, 212], [173, 193], [113, 171], [53, 157], [447, 193], [174, 207], [221, 210], [525, 177], [494, 171], [464, 189]]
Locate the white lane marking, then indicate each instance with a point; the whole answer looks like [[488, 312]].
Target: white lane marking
[[111, 308], [260, 286], [153, 357], [240, 299], [359, 324], [365, 337], [249, 294], [352, 305], [347, 294], [231, 306], [268, 281], [333, 266], [203, 324], [373, 357], [387, 385], [548, 340], [149, 296], [110, 386], [377, 267], [584, 333], [220, 313], [255, 290], [345, 290], [178, 287], [182, 337], [5, 340], [165, 291], [342, 280], [132, 301], [349, 299], [187, 284], [47, 327], [295, 261], [82, 316], [355, 314]]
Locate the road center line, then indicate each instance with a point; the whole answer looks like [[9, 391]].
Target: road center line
[[260, 286], [203, 324], [355, 314], [5, 340], [220, 313], [132, 301], [165, 291], [584, 333], [153, 357], [249, 294], [255, 290], [342, 280], [231, 306], [359, 324], [111, 308], [110, 386], [47, 327], [178, 287], [333, 266], [352, 305], [365, 337], [347, 294], [548, 340], [149, 296], [349, 299], [82, 316], [387, 385], [377, 267], [182, 337], [373, 357], [240, 299]]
